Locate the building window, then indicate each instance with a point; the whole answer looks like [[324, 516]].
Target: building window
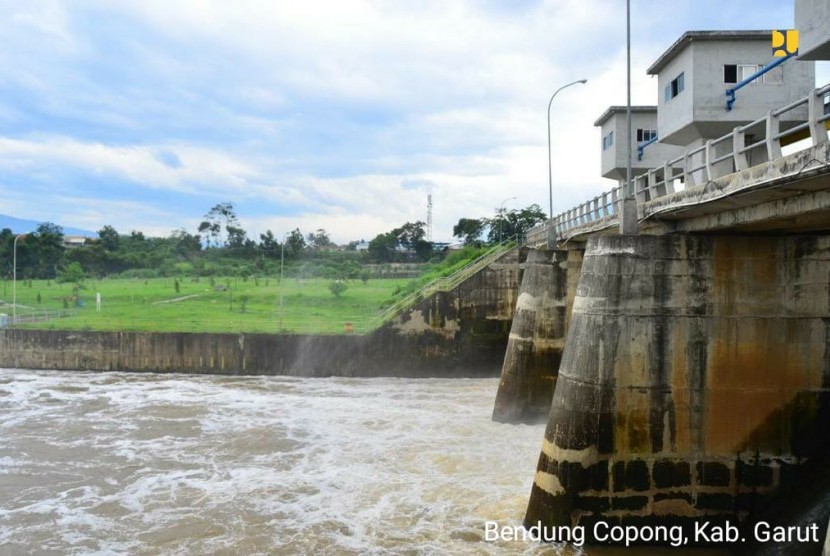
[[735, 73], [745, 71], [608, 140], [675, 87], [646, 135]]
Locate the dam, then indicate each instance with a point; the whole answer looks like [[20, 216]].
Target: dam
[[689, 364], [682, 373], [681, 369]]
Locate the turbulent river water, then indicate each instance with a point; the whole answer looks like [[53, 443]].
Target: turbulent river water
[[115, 463], [119, 463]]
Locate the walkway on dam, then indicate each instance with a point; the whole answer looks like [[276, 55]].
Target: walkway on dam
[[702, 191]]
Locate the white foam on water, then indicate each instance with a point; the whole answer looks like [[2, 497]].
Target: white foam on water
[[141, 463]]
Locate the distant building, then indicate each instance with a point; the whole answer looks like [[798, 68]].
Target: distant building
[[613, 124], [812, 19], [71, 242], [694, 73]]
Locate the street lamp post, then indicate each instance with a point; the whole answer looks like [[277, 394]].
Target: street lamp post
[[628, 217], [501, 215], [14, 278], [550, 169]]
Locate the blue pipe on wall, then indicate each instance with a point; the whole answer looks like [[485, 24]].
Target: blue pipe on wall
[[730, 93], [642, 146]]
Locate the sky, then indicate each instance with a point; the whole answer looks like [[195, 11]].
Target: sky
[[335, 114]]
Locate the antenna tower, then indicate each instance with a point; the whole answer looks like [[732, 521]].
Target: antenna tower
[[429, 217]]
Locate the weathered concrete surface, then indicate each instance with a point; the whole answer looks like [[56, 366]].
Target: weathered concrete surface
[[465, 327], [695, 379], [790, 194], [537, 337], [462, 332], [802, 501], [383, 354]]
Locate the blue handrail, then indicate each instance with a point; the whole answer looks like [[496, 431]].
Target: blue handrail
[[642, 146], [730, 92]]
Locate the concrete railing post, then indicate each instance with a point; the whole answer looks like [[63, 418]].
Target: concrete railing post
[[651, 185], [668, 179], [772, 142], [709, 157], [688, 178], [639, 190], [815, 110], [738, 143]]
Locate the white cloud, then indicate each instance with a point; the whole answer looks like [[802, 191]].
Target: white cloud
[[147, 166], [336, 114]]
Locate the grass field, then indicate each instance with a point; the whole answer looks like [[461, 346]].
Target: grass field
[[226, 305]]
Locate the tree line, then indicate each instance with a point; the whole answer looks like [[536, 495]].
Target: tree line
[[506, 225], [221, 246]]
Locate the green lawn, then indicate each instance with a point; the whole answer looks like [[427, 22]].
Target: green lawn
[[198, 306]]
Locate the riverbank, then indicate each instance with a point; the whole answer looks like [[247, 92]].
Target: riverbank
[[460, 331]]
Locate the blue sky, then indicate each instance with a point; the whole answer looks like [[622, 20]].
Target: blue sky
[[339, 114]]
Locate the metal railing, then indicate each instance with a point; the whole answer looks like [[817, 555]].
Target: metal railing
[[443, 284], [716, 158], [27, 316]]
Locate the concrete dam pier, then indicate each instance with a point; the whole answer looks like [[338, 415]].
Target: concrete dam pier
[[537, 336], [694, 380]]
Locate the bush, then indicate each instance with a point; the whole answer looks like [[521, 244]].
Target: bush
[[337, 287]]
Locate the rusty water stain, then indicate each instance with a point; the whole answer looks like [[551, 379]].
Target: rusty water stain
[[758, 361]]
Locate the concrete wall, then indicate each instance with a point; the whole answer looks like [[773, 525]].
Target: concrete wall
[[381, 354], [695, 379], [676, 114], [812, 19], [458, 333]]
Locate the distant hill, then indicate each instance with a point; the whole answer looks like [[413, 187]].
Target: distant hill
[[20, 226]]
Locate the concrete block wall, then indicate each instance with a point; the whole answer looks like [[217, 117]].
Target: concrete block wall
[[695, 379]]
